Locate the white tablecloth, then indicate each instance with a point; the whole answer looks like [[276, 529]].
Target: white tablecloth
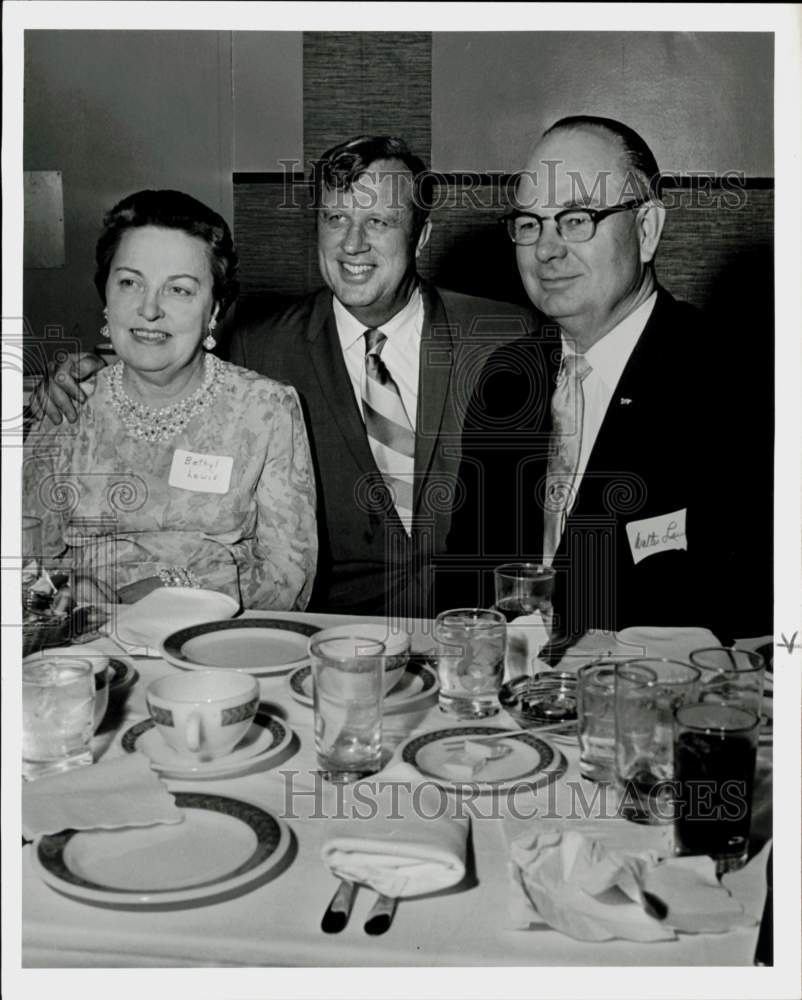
[[278, 923]]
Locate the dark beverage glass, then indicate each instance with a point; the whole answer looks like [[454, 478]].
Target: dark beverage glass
[[715, 748], [522, 589]]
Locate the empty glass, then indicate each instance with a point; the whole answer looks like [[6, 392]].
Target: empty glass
[[596, 685], [523, 588], [644, 733], [734, 676], [348, 675]]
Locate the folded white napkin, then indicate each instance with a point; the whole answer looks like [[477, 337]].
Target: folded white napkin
[[581, 887], [144, 625], [112, 793], [399, 856], [641, 640]]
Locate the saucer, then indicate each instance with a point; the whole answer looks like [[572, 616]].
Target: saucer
[[265, 740], [418, 683]]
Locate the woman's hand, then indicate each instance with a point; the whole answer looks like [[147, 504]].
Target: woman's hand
[[62, 390]]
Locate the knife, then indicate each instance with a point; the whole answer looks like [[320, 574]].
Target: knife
[[381, 916], [339, 909]]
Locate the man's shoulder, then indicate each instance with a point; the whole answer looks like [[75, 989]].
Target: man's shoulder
[[478, 305]]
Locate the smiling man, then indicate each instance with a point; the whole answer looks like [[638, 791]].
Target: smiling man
[[607, 445], [383, 362]]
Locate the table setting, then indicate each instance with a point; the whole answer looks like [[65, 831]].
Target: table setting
[[305, 789]]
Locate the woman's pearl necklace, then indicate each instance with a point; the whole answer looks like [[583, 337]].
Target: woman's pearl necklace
[[150, 424]]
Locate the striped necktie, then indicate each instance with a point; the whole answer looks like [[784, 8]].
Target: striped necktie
[[567, 413], [390, 434]]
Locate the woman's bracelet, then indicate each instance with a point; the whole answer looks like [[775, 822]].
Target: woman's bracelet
[[175, 576]]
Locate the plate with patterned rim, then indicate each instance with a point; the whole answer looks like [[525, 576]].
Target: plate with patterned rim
[[122, 674], [463, 757], [267, 738], [418, 683], [257, 646], [221, 848]]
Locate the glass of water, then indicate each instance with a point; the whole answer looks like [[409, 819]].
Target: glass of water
[[58, 707], [470, 661], [348, 678]]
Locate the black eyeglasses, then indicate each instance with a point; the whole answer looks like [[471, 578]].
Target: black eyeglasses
[[575, 225]]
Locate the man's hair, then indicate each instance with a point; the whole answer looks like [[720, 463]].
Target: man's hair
[[342, 165], [639, 158], [171, 210]]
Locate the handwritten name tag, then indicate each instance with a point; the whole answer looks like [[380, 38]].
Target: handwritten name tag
[[657, 534], [201, 473]]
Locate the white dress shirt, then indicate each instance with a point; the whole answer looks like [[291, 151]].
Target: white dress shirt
[[401, 353], [607, 359]]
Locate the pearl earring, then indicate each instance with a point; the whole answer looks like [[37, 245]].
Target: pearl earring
[[104, 330], [208, 341]]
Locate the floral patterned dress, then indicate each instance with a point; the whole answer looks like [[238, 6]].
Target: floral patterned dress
[[230, 497]]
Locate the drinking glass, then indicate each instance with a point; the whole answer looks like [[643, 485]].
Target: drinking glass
[[470, 661], [734, 676], [348, 677], [523, 588], [58, 708], [644, 733], [596, 685], [715, 750]]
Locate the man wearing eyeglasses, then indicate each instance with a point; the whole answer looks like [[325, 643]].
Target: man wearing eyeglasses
[[606, 445]]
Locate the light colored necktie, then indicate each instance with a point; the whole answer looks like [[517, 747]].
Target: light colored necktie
[[567, 412], [390, 433]]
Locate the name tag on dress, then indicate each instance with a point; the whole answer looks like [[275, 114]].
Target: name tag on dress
[[202, 473], [657, 534]]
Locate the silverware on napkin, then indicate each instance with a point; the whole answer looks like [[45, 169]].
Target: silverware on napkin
[[339, 909], [381, 916]]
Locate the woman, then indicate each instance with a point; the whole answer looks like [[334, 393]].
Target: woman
[[181, 469]]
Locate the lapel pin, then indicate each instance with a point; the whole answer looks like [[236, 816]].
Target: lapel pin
[[624, 401]]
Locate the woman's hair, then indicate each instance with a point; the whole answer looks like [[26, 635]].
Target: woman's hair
[[171, 210]]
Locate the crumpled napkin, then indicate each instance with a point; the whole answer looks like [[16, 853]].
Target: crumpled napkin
[[120, 792], [143, 626], [584, 889], [398, 856]]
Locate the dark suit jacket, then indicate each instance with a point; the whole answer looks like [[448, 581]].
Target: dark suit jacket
[[366, 562], [685, 433]]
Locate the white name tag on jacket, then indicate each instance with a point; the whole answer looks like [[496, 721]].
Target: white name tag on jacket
[[202, 473], [657, 534]]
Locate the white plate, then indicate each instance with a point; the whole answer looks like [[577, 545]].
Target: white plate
[[222, 847], [418, 683], [523, 759], [146, 623], [258, 646], [121, 674], [266, 739]]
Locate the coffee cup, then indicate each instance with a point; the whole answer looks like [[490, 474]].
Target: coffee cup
[[203, 715]]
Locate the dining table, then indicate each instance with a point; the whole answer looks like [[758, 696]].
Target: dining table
[[277, 922]]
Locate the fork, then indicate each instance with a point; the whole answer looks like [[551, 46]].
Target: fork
[[505, 734]]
